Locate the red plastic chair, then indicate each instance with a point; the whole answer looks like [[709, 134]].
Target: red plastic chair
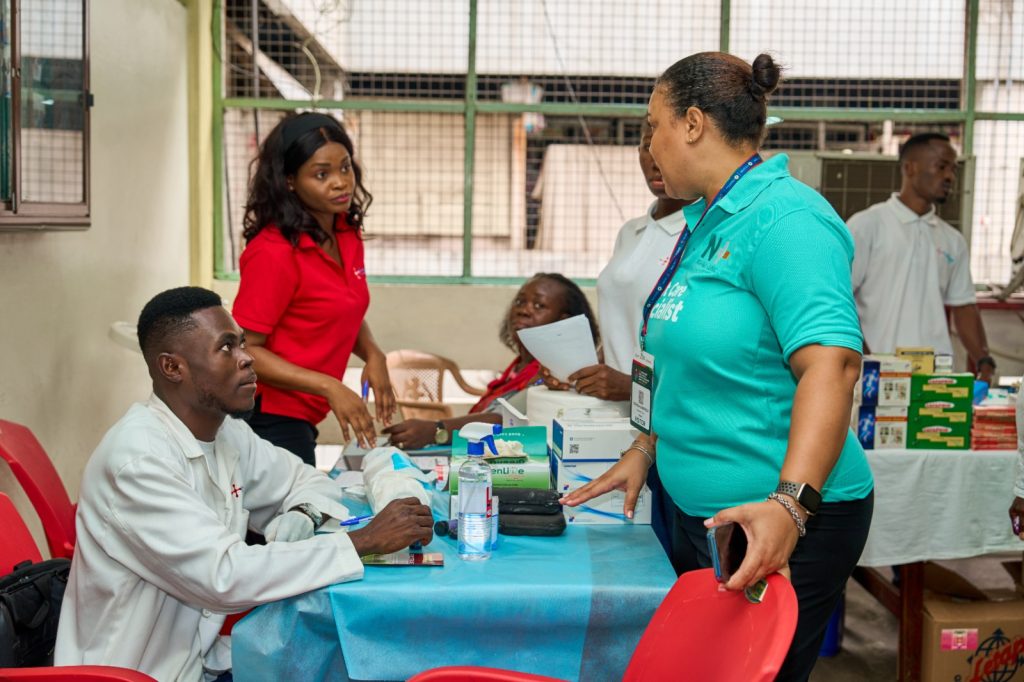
[[698, 633], [35, 472], [74, 673], [16, 543]]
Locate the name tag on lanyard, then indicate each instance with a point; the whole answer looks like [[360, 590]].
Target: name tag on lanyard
[[642, 399]]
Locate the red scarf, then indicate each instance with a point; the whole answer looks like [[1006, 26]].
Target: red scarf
[[510, 381]]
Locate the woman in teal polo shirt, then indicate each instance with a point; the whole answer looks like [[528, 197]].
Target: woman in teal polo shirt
[[756, 346]]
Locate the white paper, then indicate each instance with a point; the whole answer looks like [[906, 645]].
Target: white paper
[[562, 347]]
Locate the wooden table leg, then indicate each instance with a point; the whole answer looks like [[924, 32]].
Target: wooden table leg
[[911, 620]]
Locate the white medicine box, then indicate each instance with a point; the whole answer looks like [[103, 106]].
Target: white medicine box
[[591, 439], [605, 509]]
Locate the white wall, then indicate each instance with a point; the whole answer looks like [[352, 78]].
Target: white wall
[[59, 373]]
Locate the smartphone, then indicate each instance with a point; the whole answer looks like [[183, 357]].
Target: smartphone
[[727, 545]]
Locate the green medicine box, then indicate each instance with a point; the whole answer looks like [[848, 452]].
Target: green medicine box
[[957, 388], [525, 465]]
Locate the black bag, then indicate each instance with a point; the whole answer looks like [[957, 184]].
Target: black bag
[[30, 599], [544, 525], [528, 501]]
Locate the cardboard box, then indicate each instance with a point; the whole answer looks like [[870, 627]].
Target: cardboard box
[[530, 468], [939, 437], [939, 424], [591, 439], [603, 510], [884, 380], [973, 641], [958, 388], [881, 427], [940, 412], [922, 359], [969, 634]]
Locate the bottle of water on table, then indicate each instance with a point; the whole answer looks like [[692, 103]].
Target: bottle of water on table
[[475, 503]]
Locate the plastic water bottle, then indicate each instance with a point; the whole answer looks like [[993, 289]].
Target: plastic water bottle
[[475, 504]]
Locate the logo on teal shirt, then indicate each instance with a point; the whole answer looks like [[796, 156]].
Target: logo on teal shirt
[[716, 248]]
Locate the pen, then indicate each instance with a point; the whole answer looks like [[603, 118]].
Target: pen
[[356, 519], [366, 389]]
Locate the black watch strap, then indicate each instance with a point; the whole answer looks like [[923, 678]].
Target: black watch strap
[[985, 360], [806, 496]]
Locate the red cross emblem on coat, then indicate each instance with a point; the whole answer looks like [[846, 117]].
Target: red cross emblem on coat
[[235, 489]]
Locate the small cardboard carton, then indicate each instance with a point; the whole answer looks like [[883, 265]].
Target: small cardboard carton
[[591, 439], [939, 437], [922, 358], [957, 388], [603, 510], [525, 464], [884, 380], [967, 635], [880, 427]]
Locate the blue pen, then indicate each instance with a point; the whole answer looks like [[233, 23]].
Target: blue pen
[[356, 519], [366, 390]]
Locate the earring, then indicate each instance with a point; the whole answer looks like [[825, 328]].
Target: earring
[[689, 140]]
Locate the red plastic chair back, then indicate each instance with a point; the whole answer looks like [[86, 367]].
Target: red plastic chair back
[[699, 633], [35, 472], [458, 673], [16, 543], [74, 673]]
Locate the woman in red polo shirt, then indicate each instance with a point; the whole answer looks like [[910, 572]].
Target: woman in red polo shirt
[[303, 292]]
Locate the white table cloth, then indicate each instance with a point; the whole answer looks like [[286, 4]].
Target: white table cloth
[[940, 504]]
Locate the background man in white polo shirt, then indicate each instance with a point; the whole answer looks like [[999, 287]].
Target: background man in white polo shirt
[[910, 263]]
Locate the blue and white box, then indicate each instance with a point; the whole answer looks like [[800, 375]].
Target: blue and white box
[[882, 427], [605, 509], [592, 439], [884, 380]]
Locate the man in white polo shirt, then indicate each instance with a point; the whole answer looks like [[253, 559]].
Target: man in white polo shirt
[[910, 264]]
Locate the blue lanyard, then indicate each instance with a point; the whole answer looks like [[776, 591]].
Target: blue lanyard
[[684, 238]]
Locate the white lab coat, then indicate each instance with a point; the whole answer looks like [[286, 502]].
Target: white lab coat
[[160, 555]]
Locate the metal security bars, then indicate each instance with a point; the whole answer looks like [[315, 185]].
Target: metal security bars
[[499, 139], [44, 114]]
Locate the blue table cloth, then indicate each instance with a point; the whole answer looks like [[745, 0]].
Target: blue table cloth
[[572, 607]]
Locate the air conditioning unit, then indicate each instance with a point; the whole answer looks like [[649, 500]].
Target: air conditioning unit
[[852, 182]]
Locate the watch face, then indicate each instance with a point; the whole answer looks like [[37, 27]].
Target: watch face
[[441, 436]]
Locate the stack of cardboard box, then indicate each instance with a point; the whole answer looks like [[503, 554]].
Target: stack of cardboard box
[[900, 403], [994, 427]]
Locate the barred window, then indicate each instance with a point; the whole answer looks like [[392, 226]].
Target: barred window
[[44, 114]]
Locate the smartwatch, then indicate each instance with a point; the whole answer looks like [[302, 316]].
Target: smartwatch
[[806, 496], [441, 435], [312, 512]]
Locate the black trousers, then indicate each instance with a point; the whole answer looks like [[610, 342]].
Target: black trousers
[[821, 564], [294, 435]]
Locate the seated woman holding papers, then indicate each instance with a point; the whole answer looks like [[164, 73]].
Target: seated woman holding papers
[[545, 298]]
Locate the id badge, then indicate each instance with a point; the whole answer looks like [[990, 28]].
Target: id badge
[[642, 395]]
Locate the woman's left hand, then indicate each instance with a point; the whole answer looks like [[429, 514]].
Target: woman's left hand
[[411, 434], [376, 374], [771, 539]]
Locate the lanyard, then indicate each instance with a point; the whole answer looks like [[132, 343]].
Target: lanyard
[[684, 238]]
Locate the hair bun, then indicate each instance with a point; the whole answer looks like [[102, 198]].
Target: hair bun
[[765, 76]]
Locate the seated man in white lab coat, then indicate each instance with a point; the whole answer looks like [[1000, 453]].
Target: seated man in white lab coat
[[168, 495]]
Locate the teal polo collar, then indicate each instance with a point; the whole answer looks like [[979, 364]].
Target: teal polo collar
[[746, 190]]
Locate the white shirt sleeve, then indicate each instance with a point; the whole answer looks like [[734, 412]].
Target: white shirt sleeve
[[277, 480], [862, 240], [961, 286], [169, 536]]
